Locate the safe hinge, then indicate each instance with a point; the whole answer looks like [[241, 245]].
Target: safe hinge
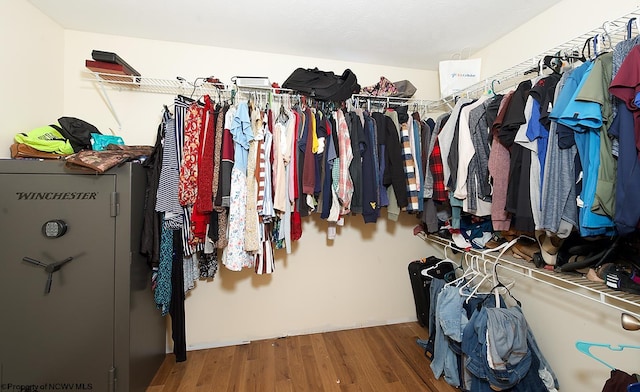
[[112, 379], [115, 204]]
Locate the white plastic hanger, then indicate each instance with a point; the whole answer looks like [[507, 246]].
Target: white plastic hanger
[[485, 277], [468, 273], [475, 267], [630, 24], [446, 259]]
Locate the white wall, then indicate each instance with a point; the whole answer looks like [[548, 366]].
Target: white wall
[[140, 112], [559, 24], [359, 279], [558, 318], [31, 65]]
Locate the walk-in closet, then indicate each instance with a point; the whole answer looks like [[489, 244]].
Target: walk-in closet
[[427, 237]]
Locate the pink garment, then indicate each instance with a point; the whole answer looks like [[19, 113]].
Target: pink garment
[[499, 162], [309, 165], [499, 171], [345, 184]]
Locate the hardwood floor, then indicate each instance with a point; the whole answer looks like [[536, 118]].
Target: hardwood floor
[[384, 358]]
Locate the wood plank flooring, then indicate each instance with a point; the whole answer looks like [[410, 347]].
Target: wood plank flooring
[[384, 358]]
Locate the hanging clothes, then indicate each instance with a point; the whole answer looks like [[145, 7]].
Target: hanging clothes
[[216, 186], [627, 212], [415, 140], [538, 128], [392, 168], [559, 212], [370, 175], [234, 256], [480, 346], [597, 103], [345, 184], [531, 149], [518, 189], [478, 186], [499, 170], [409, 169], [190, 155], [167, 200], [584, 125], [251, 235], [357, 139]]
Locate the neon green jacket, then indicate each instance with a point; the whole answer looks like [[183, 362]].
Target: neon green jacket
[[46, 139]]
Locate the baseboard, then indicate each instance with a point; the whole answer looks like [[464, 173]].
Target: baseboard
[[321, 329]]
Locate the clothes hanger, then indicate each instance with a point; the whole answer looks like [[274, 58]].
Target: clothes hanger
[[472, 273], [493, 86], [497, 294], [541, 67], [549, 62], [572, 56], [468, 273], [629, 26], [503, 247], [499, 285], [166, 114], [606, 35], [596, 45], [446, 259], [440, 270], [475, 266], [476, 289], [283, 117], [587, 46], [584, 348]]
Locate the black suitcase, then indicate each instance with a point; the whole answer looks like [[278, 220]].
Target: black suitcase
[[420, 286]]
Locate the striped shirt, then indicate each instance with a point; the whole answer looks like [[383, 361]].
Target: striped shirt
[[409, 170], [167, 194]]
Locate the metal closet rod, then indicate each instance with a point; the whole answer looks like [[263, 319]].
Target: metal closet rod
[[179, 85], [392, 100], [210, 82]]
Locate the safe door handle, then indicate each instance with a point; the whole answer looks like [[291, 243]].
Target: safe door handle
[[49, 269]]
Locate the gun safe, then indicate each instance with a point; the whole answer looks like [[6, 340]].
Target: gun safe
[[76, 307]]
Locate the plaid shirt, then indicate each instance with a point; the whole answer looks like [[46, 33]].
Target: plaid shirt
[[435, 166]]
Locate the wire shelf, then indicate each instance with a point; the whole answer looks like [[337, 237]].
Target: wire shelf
[[387, 101], [607, 36], [179, 86], [573, 283]]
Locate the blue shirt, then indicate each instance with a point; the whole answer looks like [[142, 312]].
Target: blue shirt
[[536, 131], [565, 135], [242, 135], [627, 212]]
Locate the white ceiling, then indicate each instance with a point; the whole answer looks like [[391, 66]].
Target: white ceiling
[[404, 33]]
